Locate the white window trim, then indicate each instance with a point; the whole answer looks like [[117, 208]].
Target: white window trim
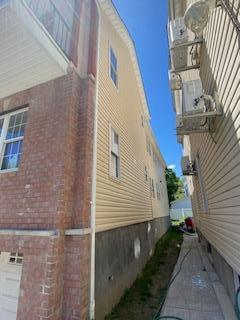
[[16, 256], [118, 179], [110, 65], [6, 118]]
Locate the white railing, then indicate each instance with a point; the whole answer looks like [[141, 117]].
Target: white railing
[[179, 214]]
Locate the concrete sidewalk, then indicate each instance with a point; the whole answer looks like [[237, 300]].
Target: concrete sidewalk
[[196, 293]]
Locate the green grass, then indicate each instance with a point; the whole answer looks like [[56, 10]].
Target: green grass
[[145, 293]]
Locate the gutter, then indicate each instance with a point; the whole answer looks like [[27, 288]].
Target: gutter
[[94, 180]]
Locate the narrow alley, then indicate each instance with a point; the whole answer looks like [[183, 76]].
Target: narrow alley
[[196, 293]]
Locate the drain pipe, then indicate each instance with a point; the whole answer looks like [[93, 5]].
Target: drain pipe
[[94, 179]]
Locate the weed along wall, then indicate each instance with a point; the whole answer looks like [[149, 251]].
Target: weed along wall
[[120, 256]]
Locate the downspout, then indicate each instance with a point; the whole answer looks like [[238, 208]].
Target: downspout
[[94, 180]]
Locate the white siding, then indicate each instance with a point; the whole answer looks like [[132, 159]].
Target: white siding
[[24, 61]]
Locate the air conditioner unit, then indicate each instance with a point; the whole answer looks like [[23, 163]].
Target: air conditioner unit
[[175, 81], [178, 33], [188, 167], [192, 93]]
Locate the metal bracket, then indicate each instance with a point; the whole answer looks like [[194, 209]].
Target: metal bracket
[[187, 44]]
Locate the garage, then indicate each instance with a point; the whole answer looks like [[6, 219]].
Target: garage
[[10, 277]]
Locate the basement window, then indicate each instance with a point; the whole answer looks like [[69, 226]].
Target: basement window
[[16, 258], [114, 154], [113, 67], [12, 128]]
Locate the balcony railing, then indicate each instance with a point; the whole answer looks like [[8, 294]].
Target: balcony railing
[[59, 21]]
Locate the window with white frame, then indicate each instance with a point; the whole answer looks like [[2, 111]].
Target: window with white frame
[[158, 189], [16, 258], [152, 188], [113, 67], [12, 128], [114, 155], [148, 145]]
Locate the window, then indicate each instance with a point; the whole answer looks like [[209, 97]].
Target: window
[[113, 67], [150, 148], [115, 160], [58, 17], [16, 258], [158, 189], [148, 144], [152, 188], [12, 127], [146, 173]]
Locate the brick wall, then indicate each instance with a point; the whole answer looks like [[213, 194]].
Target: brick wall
[[41, 281], [76, 278], [51, 189]]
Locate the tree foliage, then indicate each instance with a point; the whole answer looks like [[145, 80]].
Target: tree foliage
[[174, 186]]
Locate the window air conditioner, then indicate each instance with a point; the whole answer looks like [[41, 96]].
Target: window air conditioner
[[188, 166], [175, 81], [198, 110], [178, 35], [193, 99], [177, 32]]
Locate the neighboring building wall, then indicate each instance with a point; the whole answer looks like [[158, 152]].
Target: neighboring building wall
[[52, 188], [219, 153], [156, 171], [215, 191], [223, 269], [129, 220], [127, 200]]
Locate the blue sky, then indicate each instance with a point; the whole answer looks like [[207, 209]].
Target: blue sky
[[146, 21]]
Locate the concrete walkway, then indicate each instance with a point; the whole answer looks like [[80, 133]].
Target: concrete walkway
[[196, 293]]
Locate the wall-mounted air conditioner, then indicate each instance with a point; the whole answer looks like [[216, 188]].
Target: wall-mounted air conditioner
[[198, 109], [175, 81], [177, 32], [178, 35], [192, 93], [188, 166]]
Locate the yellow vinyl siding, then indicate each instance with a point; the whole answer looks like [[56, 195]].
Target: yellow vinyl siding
[[220, 152], [156, 171], [127, 200]]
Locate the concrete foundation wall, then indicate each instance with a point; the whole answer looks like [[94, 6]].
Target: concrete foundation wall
[[222, 268], [121, 254]]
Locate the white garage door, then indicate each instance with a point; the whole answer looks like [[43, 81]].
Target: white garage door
[[10, 277]]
